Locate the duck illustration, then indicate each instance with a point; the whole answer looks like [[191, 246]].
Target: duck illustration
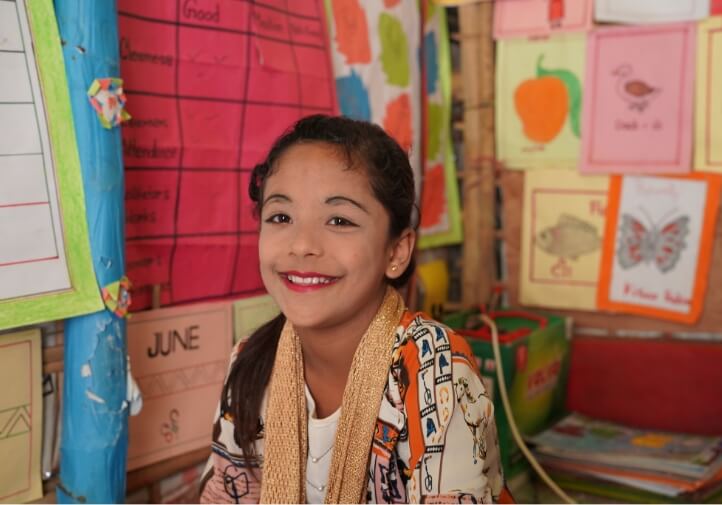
[[637, 93]]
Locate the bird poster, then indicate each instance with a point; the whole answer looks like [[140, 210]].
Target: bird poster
[[650, 11], [440, 212], [539, 100], [562, 233], [708, 114], [658, 245], [375, 54], [535, 18], [638, 101]]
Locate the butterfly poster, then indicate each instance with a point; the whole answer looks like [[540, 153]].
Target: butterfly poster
[[708, 117], [658, 245], [440, 212], [539, 100], [375, 54], [562, 232], [526, 18], [638, 100], [650, 11]]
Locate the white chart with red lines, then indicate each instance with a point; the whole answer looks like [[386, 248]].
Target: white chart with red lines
[[32, 256]]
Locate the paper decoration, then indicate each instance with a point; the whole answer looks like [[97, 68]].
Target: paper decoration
[[375, 54], [251, 313], [212, 86], [649, 11], [522, 18], [708, 117], [21, 415], [658, 245], [638, 100], [562, 231], [116, 296], [107, 98], [46, 271], [433, 285], [440, 213], [539, 98], [716, 7], [180, 358]]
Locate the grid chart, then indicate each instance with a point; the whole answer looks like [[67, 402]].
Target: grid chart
[[210, 85], [33, 260]]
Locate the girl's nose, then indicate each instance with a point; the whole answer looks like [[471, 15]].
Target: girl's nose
[[305, 242]]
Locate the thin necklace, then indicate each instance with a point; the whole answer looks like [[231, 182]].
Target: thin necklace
[[320, 489], [319, 458]]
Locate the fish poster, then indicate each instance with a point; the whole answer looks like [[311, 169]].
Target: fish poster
[[212, 84], [375, 50], [46, 270], [658, 245], [440, 212], [638, 105], [538, 18], [562, 233], [650, 11], [179, 358], [708, 114], [539, 101], [21, 416]]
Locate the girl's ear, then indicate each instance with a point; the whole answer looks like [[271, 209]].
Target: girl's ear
[[401, 251]]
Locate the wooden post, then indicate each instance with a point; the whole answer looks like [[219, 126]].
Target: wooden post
[[477, 69]]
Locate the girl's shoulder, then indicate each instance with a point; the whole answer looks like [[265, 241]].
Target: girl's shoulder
[[425, 335]]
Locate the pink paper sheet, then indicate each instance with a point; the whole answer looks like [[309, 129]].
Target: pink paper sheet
[[522, 18], [638, 101], [179, 358], [210, 85]]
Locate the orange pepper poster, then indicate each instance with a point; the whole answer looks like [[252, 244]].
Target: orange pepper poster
[[375, 52], [179, 358], [210, 85], [539, 101]]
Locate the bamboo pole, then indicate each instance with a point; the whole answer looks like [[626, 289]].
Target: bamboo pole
[[477, 68]]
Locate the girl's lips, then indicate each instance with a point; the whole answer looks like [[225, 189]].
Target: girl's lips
[[306, 281]]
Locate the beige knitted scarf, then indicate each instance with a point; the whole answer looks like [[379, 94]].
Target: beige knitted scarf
[[285, 441]]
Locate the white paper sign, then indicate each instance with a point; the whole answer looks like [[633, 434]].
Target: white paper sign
[[650, 11]]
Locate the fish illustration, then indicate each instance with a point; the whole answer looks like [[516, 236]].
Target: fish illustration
[[570, 237]]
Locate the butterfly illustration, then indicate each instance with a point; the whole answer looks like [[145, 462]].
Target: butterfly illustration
[[659, 244]]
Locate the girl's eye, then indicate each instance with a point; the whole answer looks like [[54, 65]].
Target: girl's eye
[[340, 221], [278, 219]]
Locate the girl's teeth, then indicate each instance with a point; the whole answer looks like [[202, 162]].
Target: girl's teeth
[[307, 281]]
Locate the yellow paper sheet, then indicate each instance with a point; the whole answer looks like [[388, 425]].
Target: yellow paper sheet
[[434, 280], [251, 313], [21, 416], [562, 228], [708, 136], [538, 101]]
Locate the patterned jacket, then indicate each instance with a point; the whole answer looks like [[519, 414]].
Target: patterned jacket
[[435, 439]]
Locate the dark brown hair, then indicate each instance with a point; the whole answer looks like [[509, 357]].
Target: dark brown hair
[[364, 145]]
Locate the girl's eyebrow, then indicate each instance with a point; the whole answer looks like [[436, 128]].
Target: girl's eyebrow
[[277, 196], [338, 199]]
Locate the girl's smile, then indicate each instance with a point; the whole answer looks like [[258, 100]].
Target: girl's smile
[[306, 281]]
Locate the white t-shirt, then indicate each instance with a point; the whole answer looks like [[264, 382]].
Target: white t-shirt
[[321, 437]]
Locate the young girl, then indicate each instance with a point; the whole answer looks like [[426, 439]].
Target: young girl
[[347, 397]]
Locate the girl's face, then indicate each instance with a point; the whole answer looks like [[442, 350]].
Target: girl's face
[[324, 244]]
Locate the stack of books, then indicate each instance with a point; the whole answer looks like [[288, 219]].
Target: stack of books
[[631, 465]]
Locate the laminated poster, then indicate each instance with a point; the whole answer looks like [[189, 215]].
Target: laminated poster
[[527, 18], [251, 313], [46, 271], [708, 116], [539, 101], [211, 85], [21, 416], [562, 233], [440, 212], [638, 101], [375, 53], [658, 245], [179, 358], [650, 11]]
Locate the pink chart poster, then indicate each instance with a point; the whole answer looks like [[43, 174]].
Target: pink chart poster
[[637, 114], [179, 358], [210, 85]]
